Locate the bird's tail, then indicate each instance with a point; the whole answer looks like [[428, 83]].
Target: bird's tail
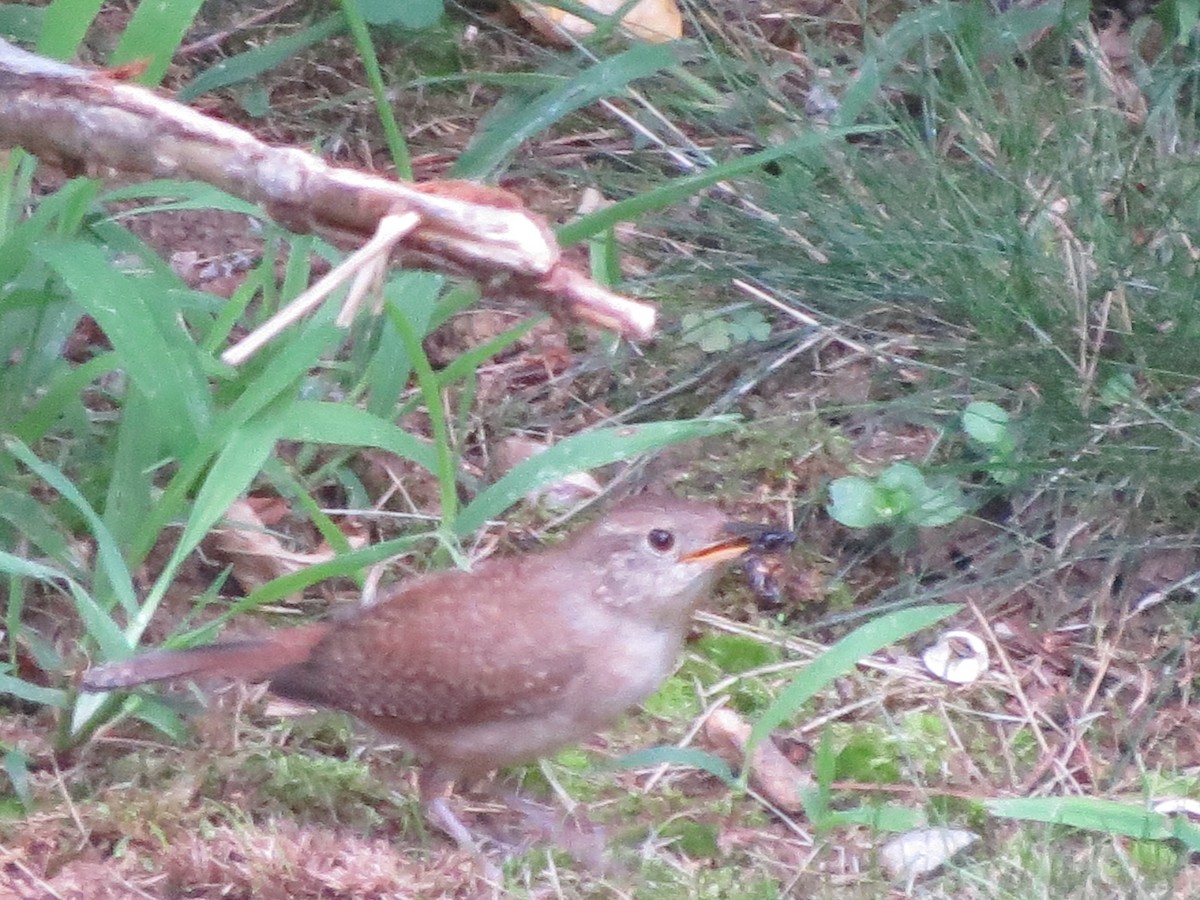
[[246, 659]]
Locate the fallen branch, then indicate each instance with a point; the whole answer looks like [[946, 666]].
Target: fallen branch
[[87, 122]]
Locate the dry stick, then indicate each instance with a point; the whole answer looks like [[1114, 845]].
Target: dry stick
[[391, 230], [85, 121]]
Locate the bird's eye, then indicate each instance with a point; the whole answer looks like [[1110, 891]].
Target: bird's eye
[[661, 540]]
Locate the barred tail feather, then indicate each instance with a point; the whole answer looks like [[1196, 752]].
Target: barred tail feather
[[248, 659]]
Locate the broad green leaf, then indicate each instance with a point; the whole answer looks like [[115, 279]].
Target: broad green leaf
[[985, 422], [853, 502]]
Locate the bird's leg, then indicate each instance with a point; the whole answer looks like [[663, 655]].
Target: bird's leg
[[435, 785]]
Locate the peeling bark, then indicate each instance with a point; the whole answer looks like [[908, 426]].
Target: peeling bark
[[87, 122]]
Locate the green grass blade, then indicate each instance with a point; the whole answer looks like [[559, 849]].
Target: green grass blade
[[578, 453], [1098, 814], [66, 22], [444, 462], [171, 195], [675, 756], [337, 423], [33, 522], [415, 295], [397, 146], [156, 352], [250, 65], [490, 148], [239, 463], [22, 23], [839, 659], [346, 565], [99, 624], [63, 392], [108, 556], [232, 472], [262, 388], [470, 360], [32, 693], [681, 188], [155, 33]]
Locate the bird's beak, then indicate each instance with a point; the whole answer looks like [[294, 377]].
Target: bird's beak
[[745, 538]]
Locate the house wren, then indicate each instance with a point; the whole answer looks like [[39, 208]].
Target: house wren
[[477, 670]]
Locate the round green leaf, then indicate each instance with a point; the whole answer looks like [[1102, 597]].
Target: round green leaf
[[853, 502], [985, 422]]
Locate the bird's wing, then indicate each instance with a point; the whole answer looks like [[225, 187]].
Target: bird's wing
[[439, 652]]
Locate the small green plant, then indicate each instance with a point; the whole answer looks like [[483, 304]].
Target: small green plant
[[712, 334], [902, 495], [988, 426]]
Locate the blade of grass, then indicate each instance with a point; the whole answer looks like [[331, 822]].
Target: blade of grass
[[839, 659], [154, 33], [22, 23], [675, 756], [60, 394], [291, 487], [66, 22], [108, 556], [427, 380], [491, 147], [337, 423], [99, 624], [261, 388], [397, 146], [155, 351], [681, 188], [578, 453], [33, 693], [252, 64], [347, 565], [386, 374], [1095, 814]]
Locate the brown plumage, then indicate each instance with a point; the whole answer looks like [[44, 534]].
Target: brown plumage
[[499, 665]]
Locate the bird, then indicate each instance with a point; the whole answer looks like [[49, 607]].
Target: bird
[[476, 670]]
